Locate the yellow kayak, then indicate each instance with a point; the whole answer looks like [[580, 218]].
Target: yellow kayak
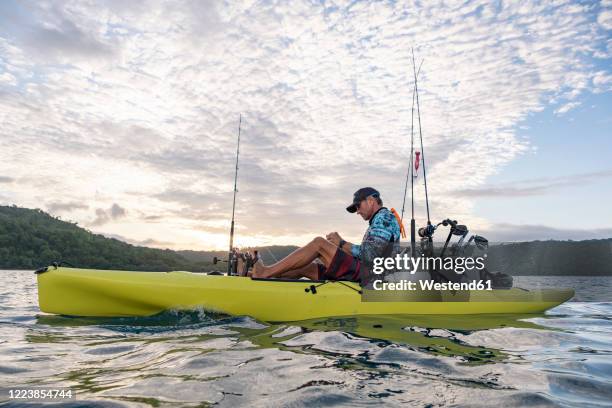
[[90, 292]]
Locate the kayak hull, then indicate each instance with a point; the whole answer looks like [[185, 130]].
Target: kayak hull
[[88, 292]]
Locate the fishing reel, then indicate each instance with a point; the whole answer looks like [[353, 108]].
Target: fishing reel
[[427, 231], [459, 248]]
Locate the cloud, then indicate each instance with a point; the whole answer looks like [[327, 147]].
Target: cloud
[[566, 108], [104, 216], [149, 242], [139, 102], [605, 19], [602, 82], [533, 187], [58, 207], [54, 30], [116, 211], [5, 179], [8, 79]]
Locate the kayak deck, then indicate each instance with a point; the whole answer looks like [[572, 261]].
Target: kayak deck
[[89, 292]]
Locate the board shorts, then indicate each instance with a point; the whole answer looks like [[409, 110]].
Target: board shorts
[[342, 267]]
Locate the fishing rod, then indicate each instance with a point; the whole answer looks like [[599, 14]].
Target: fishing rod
[[410, 173], [426, 233], [416, 91], [231, 256]]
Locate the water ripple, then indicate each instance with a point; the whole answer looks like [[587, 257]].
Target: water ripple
[[194, 358]]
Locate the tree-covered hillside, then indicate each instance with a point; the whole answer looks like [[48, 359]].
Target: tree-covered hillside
[[32, 238], [547, 258]]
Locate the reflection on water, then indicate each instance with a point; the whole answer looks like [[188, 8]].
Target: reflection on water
[[198, 359]]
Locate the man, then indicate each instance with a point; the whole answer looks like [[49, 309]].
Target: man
[[333, 258]]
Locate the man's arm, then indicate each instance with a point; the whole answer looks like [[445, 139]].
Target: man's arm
[[351, 249], [346, 246]]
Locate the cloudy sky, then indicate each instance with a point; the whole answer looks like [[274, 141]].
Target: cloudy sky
[[123, 116]]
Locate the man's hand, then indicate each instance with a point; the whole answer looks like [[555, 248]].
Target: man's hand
[[334, 238]]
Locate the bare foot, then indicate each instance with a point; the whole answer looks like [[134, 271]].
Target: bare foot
[[259, 269]]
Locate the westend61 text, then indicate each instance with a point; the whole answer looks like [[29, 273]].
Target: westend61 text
[[409, 264], [431, 285]]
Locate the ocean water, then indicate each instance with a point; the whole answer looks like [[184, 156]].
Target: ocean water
[[193, 358]]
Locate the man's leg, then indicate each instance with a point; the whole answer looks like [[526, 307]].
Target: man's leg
[[310, 271], [240, 266], [317, 248]]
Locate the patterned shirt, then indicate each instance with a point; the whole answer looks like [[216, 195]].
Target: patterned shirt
[[382, 238]]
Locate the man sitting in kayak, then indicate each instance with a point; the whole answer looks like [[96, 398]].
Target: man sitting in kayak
[[337, 258]]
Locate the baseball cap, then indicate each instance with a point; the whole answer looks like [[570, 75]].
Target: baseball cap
[[361, 195]]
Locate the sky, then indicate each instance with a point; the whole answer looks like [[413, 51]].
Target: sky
[[123, 116]]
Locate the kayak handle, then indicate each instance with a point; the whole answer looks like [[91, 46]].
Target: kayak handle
[[55, 265]]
